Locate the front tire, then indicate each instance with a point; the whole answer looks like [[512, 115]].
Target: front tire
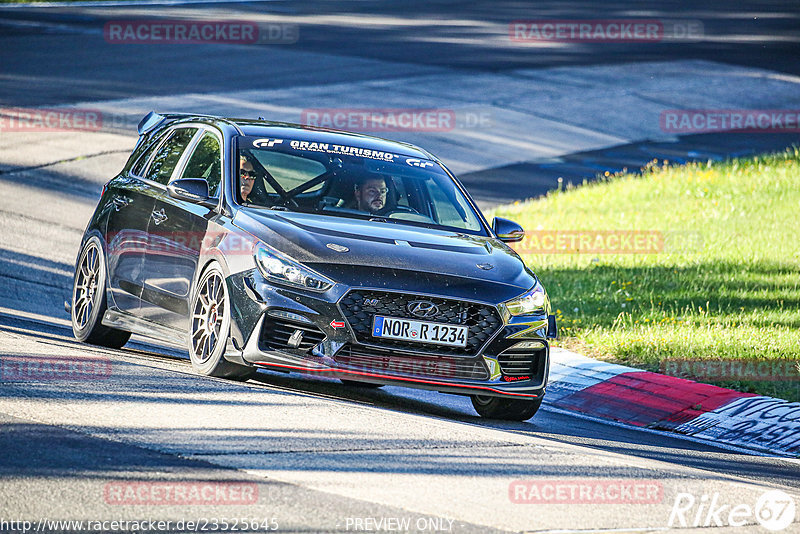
[[505, 409], [89, 299], [209, 327]]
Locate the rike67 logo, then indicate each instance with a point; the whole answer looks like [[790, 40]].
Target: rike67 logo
[[774, 510]]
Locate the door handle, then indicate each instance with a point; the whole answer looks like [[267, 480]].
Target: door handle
[[120, 202], [159, 216]]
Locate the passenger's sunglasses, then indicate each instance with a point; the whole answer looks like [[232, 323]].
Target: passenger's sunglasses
[[250, 175]]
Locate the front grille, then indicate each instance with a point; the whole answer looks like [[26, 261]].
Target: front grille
[[276, 332], [482, 321], [412, 365]]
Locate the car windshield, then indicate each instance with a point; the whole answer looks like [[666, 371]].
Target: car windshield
[[347, 181]]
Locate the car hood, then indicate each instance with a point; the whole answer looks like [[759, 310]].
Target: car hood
[[329, 244]]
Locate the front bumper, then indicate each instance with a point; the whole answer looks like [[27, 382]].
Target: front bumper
[[322, 335]]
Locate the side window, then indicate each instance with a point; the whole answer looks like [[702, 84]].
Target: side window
[[138, 167], [144, 154], [205, 163], [168, 155]]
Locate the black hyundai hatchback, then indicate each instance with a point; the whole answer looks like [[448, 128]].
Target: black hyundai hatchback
[[298, 249]]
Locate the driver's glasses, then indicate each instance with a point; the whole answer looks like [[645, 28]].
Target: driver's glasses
[[247, 175], [373, 191]]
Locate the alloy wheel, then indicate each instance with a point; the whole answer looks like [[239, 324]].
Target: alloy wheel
[[207, 317], [86, 291]]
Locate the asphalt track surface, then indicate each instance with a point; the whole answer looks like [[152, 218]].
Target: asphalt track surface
[[322, 455]]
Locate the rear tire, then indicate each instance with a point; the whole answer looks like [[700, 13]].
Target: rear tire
[[504, 408], [209, 328], [89, 299]]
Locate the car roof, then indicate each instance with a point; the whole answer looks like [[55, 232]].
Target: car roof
[[281, 130]]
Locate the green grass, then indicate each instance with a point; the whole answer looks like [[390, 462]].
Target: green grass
[[733, 294]]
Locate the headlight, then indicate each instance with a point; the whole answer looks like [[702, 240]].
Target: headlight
[[532, 302], [278, 268]]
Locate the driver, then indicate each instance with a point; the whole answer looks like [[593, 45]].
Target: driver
[[247, 177], [370, 193]]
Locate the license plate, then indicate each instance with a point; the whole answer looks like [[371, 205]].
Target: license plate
[[420, 331]]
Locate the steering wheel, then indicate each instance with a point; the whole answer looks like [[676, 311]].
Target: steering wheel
[[407, 214], [400, 209], [278, 200], [285, 199]]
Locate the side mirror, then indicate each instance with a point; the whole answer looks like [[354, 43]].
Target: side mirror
[[507, 231], [194, 190]]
